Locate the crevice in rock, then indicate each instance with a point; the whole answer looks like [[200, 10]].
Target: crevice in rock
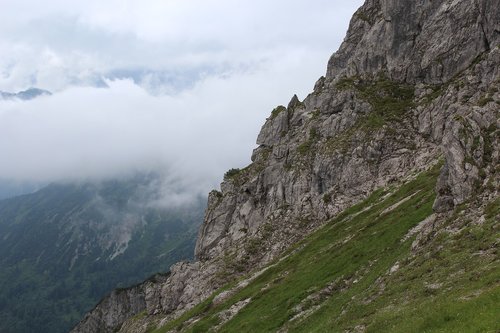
[[485, 38]]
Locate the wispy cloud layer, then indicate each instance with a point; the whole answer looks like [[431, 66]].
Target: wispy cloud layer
[[188, 83], [95, 133], [54, 44]]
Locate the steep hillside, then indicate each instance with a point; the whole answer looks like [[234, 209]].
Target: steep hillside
[[413, 84], [66, 246], [364, 272]]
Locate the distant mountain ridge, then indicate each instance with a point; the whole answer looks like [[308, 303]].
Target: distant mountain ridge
[[12, 188], [25, 95], [65, 246]]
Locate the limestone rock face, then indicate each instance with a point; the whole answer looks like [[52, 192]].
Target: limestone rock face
[[120, 305], [417, 41], [413, 83]]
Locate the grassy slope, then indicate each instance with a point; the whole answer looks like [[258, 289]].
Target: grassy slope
[[344, 269]]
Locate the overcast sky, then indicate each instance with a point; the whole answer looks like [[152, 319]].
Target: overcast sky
[[182, 86]]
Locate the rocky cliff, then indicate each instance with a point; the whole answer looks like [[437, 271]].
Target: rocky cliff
[[414, 83]]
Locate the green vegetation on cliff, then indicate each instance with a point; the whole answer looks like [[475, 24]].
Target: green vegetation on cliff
[[390, 100], [360, 273]]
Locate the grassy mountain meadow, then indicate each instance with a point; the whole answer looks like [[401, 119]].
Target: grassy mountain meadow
[[65, 247], [365, 271]]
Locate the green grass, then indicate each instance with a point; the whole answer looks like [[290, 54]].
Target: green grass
[[390, 100], [231, 173], [436, 91], [444, 314], [485, 100], [306, 147], [492, 209], [326, 258], [277, 111], [446, 287], [177, 323], [364, 17]]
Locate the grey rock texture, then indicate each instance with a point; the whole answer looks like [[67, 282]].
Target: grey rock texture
[[417, 41], [120, 305], [413, 82]]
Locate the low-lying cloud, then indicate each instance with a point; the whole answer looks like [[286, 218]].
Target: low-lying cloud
[[191, 137], [178, 88]]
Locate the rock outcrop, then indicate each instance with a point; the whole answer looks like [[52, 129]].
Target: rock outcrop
[[413, 82]]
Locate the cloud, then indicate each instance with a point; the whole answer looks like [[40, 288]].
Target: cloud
[[55, 44], [188, 84], [193, 136]]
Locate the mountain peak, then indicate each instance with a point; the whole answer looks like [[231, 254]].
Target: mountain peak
[[25, 95], [416, 41]]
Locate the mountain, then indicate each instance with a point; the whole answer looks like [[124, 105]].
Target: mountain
[[25, 95], [370, 206], [66, 246], [12, 188]]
